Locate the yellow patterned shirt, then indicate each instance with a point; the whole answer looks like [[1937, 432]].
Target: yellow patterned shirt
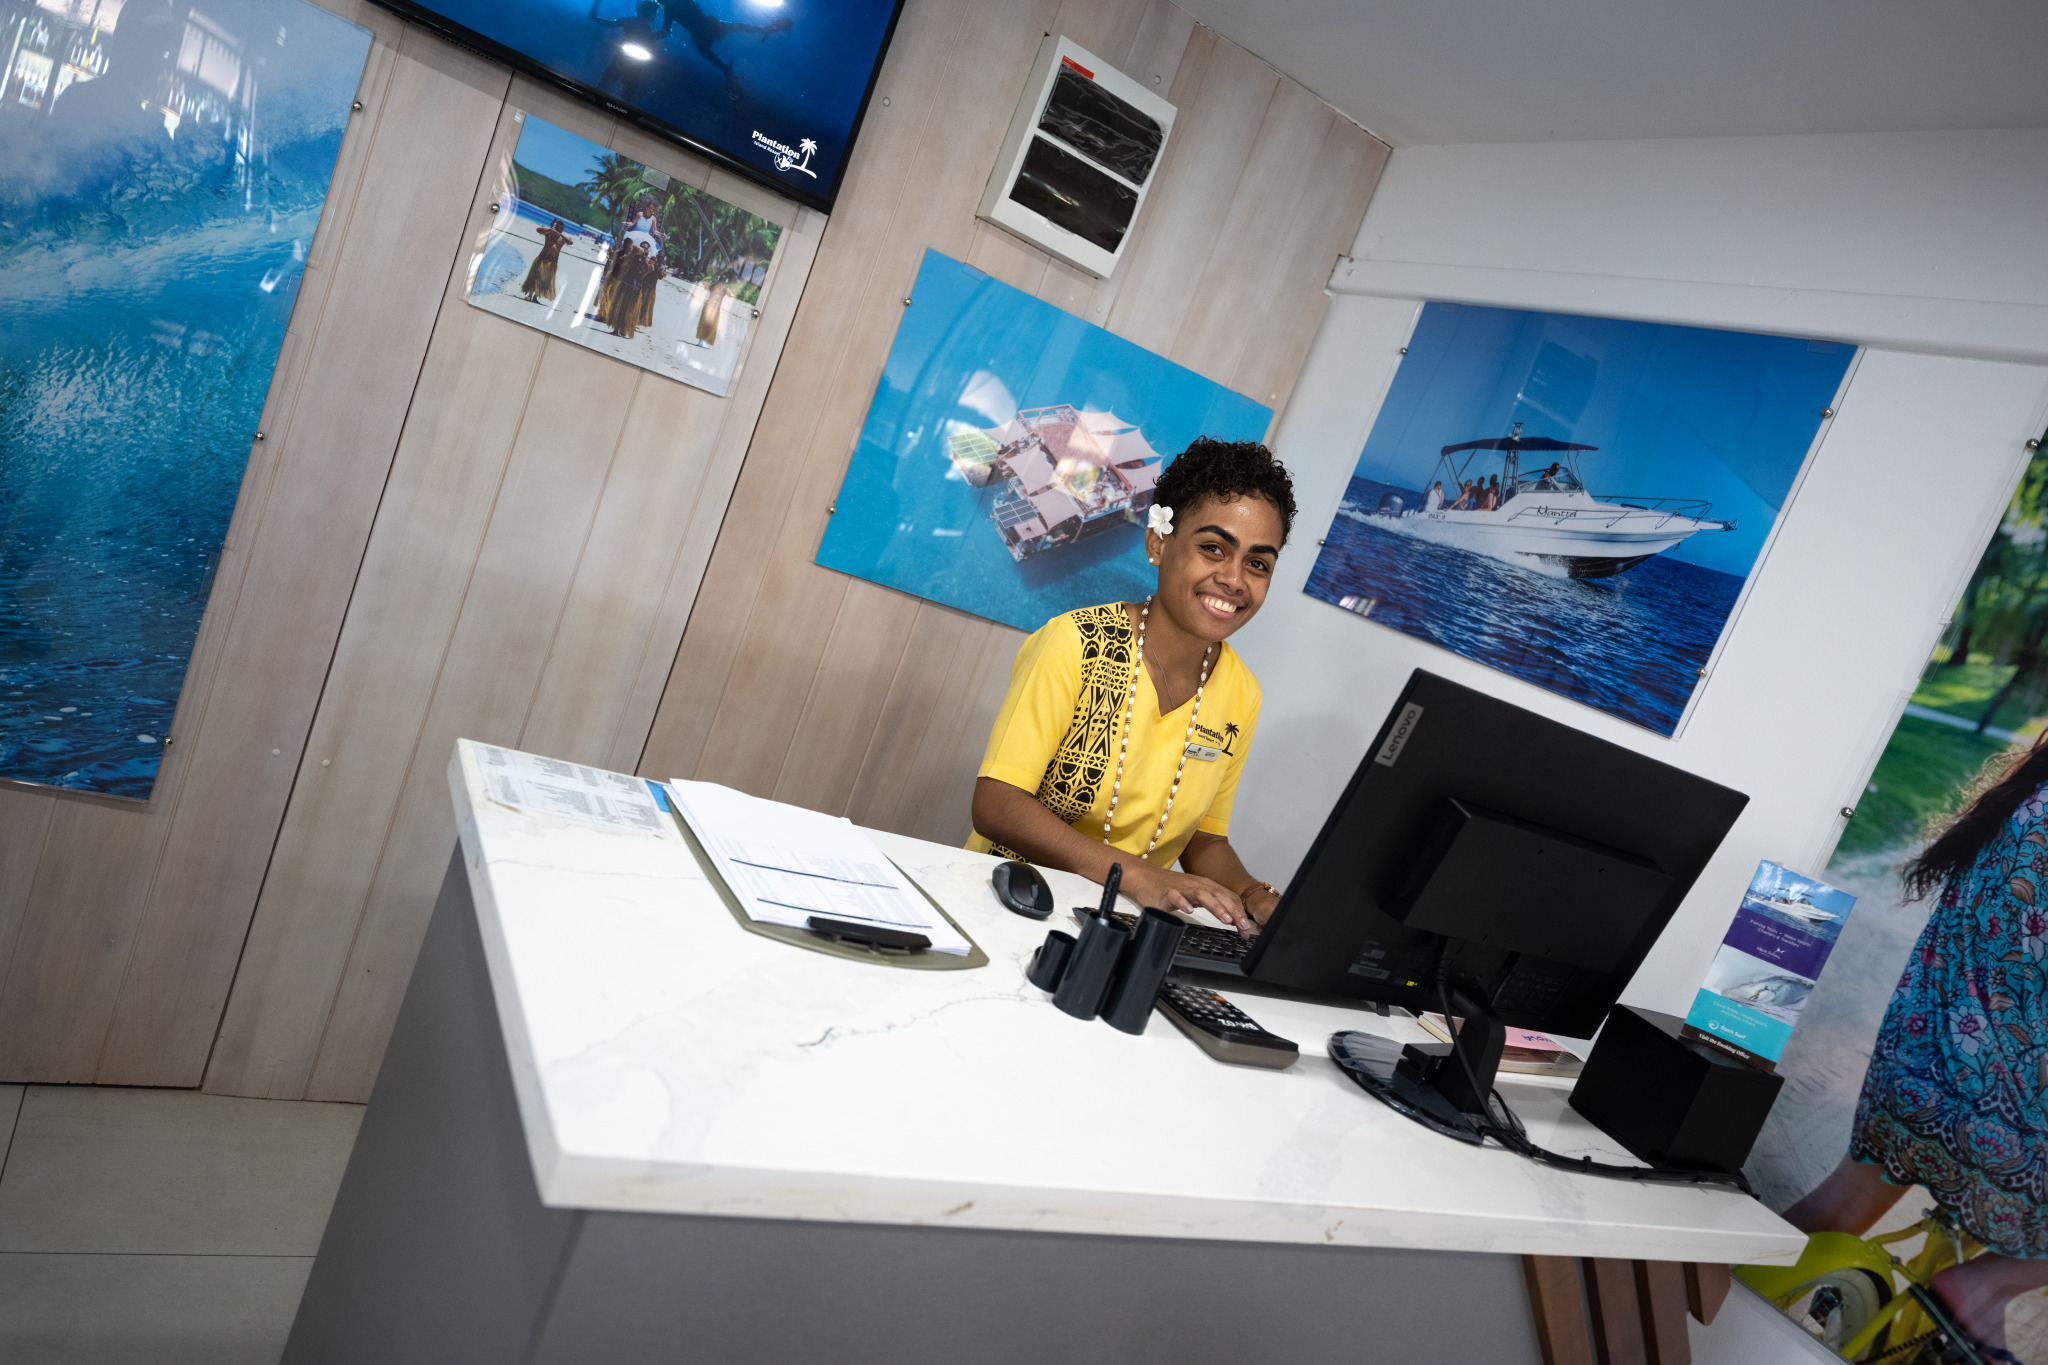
[[1062, 723]]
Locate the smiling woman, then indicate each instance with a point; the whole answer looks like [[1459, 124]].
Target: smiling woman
[[1126, 725]]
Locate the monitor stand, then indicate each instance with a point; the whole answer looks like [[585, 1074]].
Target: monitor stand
[[1430, 1085]]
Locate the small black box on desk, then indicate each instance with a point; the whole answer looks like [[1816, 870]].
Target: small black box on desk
[[1670, 1100]]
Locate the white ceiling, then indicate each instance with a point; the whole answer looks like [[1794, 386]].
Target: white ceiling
[[1424, 72]]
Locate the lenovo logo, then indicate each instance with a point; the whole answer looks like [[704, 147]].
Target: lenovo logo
[[1404, 726]]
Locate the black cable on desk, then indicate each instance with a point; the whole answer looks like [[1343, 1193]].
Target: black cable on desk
[[1507, 1130]]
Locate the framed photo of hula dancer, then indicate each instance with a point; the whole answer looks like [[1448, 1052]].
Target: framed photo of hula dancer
[[1577, 501], [608, 253]]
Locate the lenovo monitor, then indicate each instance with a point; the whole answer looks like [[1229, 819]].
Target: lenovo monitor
[[1532, 858]]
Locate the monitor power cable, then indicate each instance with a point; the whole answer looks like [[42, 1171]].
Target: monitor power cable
[[1503, 1127]]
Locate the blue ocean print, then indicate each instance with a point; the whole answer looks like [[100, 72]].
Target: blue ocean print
[[162, 169], [1576, 501], [1010, 452]]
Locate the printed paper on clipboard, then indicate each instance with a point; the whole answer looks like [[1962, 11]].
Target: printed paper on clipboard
[[784, 864]]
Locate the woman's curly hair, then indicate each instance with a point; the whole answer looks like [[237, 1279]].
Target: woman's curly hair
[[1225, 470], [2005, 782]]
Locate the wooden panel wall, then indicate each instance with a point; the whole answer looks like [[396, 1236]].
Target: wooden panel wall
[[542, 516], [120, 924], [800, 683], [547, 522]]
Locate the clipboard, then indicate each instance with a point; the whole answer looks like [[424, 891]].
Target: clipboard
[[803, 938]]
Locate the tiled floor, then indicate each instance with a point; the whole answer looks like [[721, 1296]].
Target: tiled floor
[[159, 1226]]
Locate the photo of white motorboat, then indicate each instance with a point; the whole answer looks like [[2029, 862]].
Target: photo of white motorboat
[[1523, 499], [1799, 903], [1798, 908], [1576, 501]]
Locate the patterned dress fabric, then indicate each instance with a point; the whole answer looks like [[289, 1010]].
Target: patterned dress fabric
[[1087, 752], [1956, 1097]]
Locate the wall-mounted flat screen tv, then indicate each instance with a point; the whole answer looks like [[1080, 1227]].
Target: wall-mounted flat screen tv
[[773, 88]]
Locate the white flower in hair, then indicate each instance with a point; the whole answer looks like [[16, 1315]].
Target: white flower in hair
[[1160, 519]]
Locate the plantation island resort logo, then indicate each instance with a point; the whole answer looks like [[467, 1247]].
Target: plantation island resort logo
[[787, 159]]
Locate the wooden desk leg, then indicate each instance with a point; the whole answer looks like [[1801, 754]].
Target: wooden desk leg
[[1560, 1308], [1637, 1308], [1706, 1287], [1661, 1298], [1617, 1319]]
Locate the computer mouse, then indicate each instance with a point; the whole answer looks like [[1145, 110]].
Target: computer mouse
[[1022, 889]]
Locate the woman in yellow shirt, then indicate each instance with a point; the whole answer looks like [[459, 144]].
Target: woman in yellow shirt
[[1126, 725]]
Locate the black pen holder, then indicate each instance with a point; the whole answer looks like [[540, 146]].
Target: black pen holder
[[1142, 971], [1091, 967], [1049, 963]]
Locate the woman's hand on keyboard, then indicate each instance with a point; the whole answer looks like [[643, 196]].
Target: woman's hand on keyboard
[[1183, 891]]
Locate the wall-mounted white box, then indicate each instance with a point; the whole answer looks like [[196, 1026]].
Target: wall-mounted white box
[[1083, 149]]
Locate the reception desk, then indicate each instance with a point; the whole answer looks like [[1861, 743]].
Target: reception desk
[[613, 1125]]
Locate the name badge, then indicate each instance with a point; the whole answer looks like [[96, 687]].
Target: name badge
[[1204, 753]]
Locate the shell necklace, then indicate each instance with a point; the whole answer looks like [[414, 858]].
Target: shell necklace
[[1130, 708]]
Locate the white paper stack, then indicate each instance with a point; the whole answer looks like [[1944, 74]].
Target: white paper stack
[[549, 786], [786, 864]]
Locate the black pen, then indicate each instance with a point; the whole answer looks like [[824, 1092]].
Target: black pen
[[1109, 886]]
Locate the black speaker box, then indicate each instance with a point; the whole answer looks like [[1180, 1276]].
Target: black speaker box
[[1670, 1100]]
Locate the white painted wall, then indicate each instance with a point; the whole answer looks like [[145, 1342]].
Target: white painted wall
[[1748, 1331], [1926, 242], [1922, 241]]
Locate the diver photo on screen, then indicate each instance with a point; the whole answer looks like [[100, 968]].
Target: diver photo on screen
[[774, 87]]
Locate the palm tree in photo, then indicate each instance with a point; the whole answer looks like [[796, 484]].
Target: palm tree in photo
[[699, 232], [1229, 735], [807, 147], [614, 185], [754, 247]]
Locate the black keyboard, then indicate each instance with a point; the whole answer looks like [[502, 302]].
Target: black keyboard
[[1199, 943], [1214, 945]]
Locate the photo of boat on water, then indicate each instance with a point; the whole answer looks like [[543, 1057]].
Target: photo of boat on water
[[600, 250], [162, 170], [1812, 907], [1576, 501], [1010, 453]]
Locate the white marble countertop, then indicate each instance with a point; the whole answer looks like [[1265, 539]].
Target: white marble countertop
[[668, 1061]]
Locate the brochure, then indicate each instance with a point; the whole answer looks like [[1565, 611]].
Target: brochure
[[1527, 1053], [1766, 967]]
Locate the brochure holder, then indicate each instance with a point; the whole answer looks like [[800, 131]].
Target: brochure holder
[[1091, 967], [1143, 971], [1110, 970]]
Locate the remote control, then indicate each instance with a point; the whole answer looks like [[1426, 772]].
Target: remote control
[[1223, 1030]]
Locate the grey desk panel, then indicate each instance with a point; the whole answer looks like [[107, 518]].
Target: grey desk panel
[[738, 1291], [440, 1251]]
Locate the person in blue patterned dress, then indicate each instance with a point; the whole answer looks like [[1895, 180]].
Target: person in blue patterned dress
[[1956, 1096]]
